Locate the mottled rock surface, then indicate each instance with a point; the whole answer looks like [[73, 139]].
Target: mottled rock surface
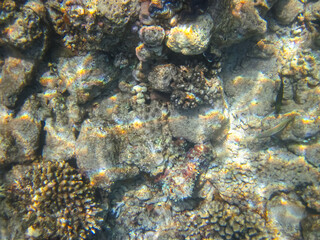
[[16, 74], [191, 38], [198, 126], [287, 11]]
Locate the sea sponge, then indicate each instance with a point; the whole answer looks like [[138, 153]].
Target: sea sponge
[[56, 201]]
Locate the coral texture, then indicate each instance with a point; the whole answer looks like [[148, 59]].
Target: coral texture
[[191, 38], [56, 201]]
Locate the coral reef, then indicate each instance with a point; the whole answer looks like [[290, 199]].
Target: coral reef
[[164, 8], [310, 227], [211, 219], [243, 22], [150, 48], [117, 13], [311, 196], [191, 38], [184, 119], [194, 86], [21, 25], [310, 18], [178, 181], [90, 25], [55, 201], [287, 11], [152, 35], [162, 76]]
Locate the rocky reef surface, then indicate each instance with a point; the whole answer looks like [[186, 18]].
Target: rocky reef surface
[[160, 119]]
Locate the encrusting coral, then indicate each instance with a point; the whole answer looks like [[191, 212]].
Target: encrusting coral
[[56, 202]]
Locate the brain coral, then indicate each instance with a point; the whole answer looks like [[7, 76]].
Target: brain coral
[[56, 201]]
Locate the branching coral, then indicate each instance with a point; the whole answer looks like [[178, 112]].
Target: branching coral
[[56, 201]]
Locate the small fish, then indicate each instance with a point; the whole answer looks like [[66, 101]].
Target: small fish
[[279, 97], [2, 191], [278, 128]]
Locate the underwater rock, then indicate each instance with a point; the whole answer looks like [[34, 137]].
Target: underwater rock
[[178, 182], [145, 53], [251, 95], [97, 154], [309, 150], [36, 107], [311, 227], [311, 17], [243, 22], [8, 148], [288, 171], [24, 136], [22, 27], [147, 140], [232, 177], [116, 14], [26, 132], [96, 143], [211, 219], [311, 195], [170, 143], [286, 11], [164, 9], [60, 142], [131, 207], [198, 125], [286, 211], [15, 76], [20, 139], [191, 38], [86, 77], [125, 143], [265, 48], [303, 129], [303, 77]]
